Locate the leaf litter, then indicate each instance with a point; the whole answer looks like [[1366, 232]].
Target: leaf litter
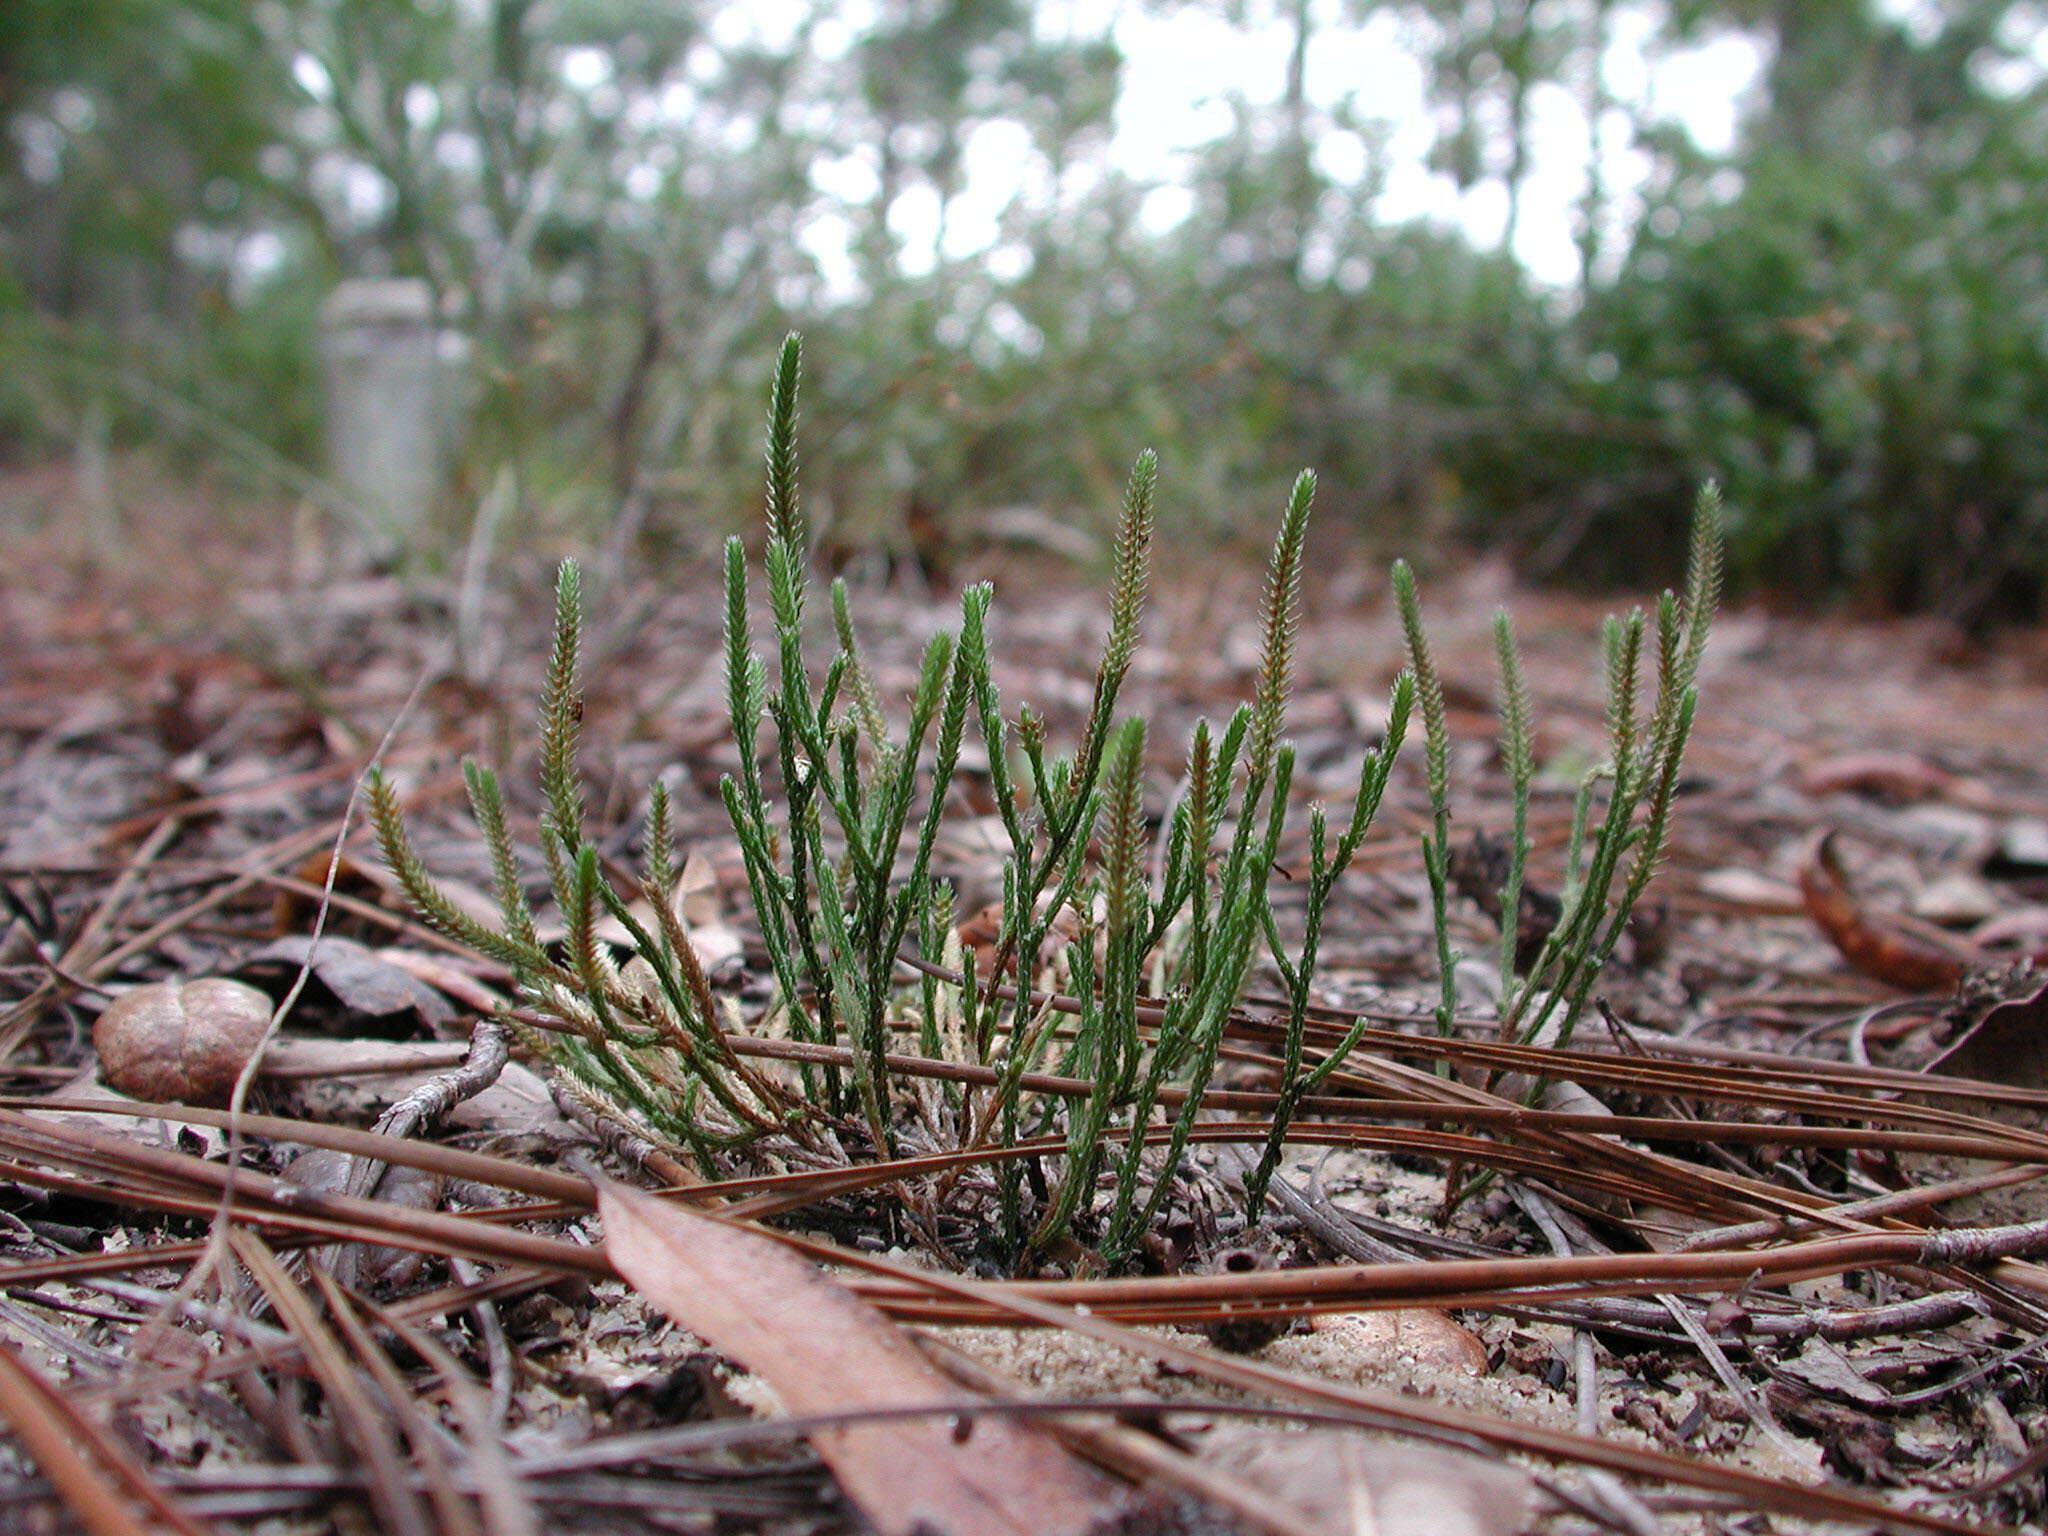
[[173, 766]]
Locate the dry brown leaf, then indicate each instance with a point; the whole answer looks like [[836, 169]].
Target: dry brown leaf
[[1895, 776], [1747, 889], [2008, 1045], [699, 901], [1878, 944], [1824, 1368], [361, 980], [440, 973], [983, 932], [824, 1351], [1351, 1486]]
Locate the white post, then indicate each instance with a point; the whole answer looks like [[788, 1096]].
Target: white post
[[388, 404]]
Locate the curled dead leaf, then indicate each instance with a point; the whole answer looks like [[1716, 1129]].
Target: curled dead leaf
[[1878, 944], [1894, 776], [360, 980]]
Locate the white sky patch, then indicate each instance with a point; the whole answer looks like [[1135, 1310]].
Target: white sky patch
[[1182, 72], [678, 99], [1707, 88], [996, 154], [914, 220], [829, 240], [832, 36], [1165, 206], [1179, 72], [768, 25], [312, 77], [1343, 157], [584, 69], [643, 182], [422, 105]]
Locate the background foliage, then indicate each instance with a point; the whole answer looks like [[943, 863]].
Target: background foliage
[[624, 204]]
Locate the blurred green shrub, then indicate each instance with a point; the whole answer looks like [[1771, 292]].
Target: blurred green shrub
[[1844, 320]]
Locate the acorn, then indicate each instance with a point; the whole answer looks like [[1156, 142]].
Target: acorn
[[181, 1040]]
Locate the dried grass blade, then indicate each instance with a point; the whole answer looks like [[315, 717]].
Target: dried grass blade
[[362, 1425], [450, 1162], [500, 1490], [452, 1513], [278, 1202], [272, 1202], [93, 1487], [1466, 1282]]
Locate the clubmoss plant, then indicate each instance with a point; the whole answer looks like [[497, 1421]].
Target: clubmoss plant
[[1519, 758], [1436, 745], [641, 1038], [837, 804], [1643, 774], [1632, 790]]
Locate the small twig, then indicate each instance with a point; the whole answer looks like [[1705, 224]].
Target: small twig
[[1759, 1412], [1545, 1215], [83, 1357], [1586, 1382], [1621, 1508], [1585, 1357], [618, 1139], [1350, 1242], [1893, 1203], [1981, 1245], [1975, 1373], [490, 1048], [497, 1348]]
